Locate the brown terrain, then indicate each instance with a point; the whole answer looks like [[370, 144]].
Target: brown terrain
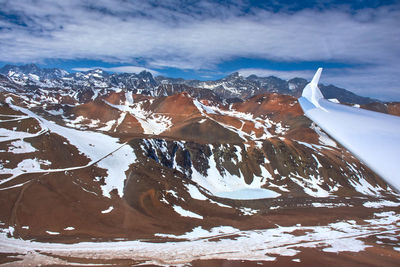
[[156, 168], [392, 108]]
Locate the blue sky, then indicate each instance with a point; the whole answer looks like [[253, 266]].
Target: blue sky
[[357, 42]]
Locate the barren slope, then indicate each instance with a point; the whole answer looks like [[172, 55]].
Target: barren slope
[[124, 178]]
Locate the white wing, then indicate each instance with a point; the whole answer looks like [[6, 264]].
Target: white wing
[[372, 137]]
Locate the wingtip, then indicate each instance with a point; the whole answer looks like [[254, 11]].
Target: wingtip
[[311, 92], [316, 77]]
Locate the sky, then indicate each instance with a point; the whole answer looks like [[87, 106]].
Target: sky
[[356, 42]]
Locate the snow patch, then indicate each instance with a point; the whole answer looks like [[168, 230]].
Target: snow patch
[[324, 139], [20, 147], [248, 211], [227, 185], [107, 210], [52, 233], [224, 242], [195, 193], [150, 122], [381, 204], [186, 213]]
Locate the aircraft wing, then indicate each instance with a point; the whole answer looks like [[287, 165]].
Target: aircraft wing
[[372, 137]]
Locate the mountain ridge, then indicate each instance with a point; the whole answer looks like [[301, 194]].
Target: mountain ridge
[[234, 86]]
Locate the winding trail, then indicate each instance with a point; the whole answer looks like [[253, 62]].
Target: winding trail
[[97, 147], [56, 170]]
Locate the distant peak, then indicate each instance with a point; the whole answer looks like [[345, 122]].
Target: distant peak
[[145, 72], [29, 68], [31, 65], [233, 75], [26, 66]]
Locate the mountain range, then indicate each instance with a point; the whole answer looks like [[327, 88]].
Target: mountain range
[[232, 88], [128, 169]]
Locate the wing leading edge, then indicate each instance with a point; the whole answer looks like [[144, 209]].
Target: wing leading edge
[[372, 137]]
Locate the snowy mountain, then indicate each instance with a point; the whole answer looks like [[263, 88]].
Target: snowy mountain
[[100, 168], [237, 86], [232, 87], [32, 75]]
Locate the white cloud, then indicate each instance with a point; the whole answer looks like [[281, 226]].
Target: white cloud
[[195, 43], [196, 38]]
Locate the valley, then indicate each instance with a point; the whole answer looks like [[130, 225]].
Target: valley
[[175, 174]]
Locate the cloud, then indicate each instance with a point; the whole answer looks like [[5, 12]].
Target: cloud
[[201, 36], [127, 69], [123, 32]]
